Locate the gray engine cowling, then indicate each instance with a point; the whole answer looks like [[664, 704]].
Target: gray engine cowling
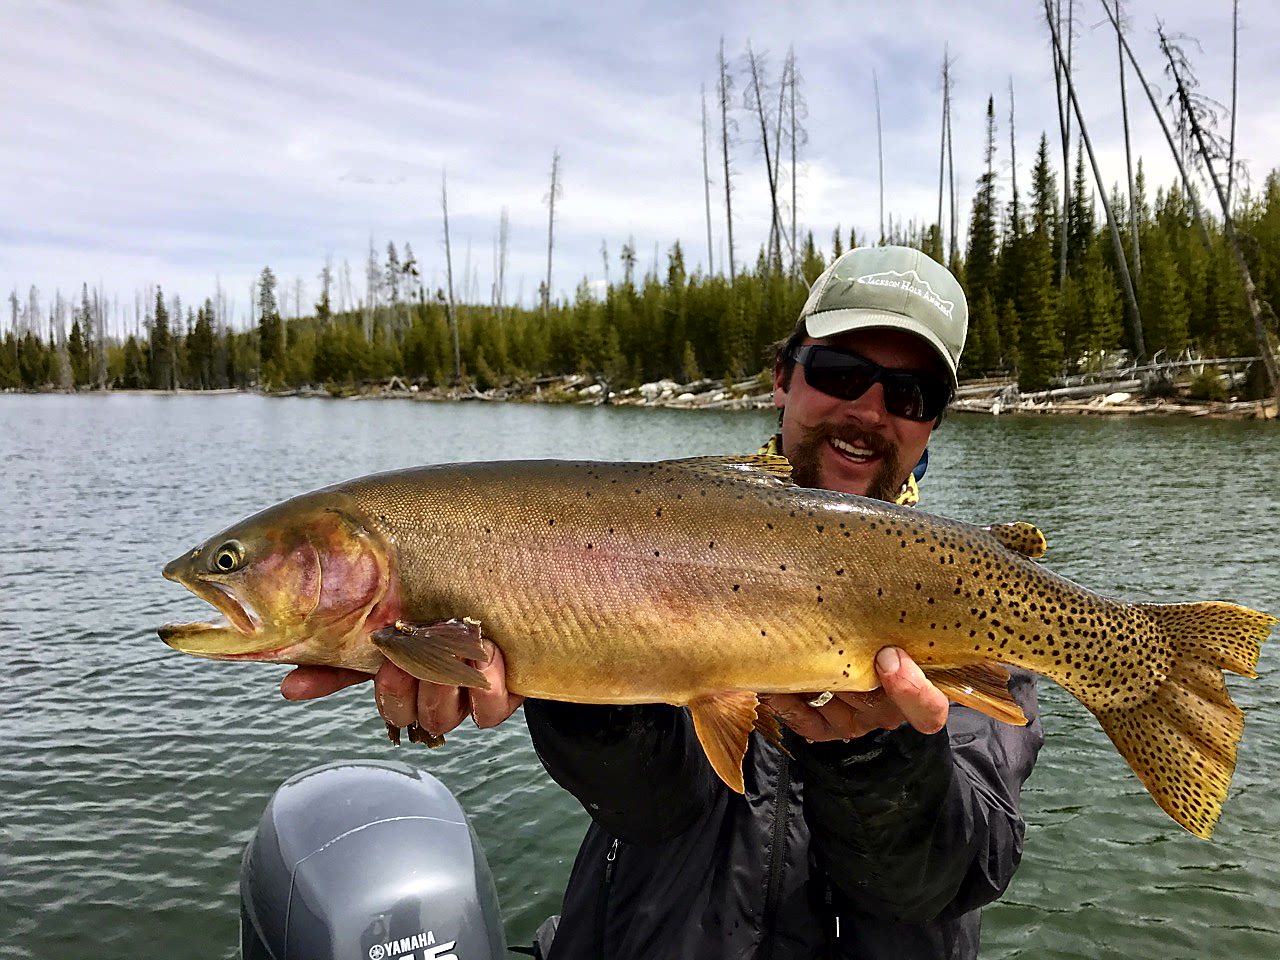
[[366, 861]]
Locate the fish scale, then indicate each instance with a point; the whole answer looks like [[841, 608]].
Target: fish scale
[[703, 582]]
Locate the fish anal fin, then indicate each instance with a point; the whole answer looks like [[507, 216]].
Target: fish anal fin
[[435, 651], [723, 722], [1020, 537], [982, 686], [762, 467]]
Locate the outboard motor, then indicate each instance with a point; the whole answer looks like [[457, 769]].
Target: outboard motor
[[367, 861]]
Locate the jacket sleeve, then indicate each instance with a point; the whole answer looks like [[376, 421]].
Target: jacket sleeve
[[638, 771], [918, 826]]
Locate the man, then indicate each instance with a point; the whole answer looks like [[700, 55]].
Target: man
[[888, 819]]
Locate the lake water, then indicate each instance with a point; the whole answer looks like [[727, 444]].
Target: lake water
[[132, 776]]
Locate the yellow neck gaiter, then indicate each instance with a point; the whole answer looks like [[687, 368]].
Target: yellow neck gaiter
[[908, 496]]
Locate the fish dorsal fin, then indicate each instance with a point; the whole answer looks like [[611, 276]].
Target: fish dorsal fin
[[1020, 537], [723, 722], [762, 467], [982, 686]]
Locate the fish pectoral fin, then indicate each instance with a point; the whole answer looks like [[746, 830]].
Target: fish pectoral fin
[[982, 686], [1020, 537], [723, 722], [435, 651]]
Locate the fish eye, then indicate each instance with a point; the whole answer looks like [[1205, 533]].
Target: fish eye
[[228, 557]]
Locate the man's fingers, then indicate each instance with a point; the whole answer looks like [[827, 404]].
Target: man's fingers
[[441, 707], [490, 707], [396, 694], [810, 723], [923, 705], [308, 683]]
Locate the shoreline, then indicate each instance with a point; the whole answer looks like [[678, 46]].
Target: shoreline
[[989, 398]]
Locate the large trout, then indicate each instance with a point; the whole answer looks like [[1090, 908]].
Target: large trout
[[702, 582]]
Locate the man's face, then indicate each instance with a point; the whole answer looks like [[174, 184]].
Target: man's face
[[855, 446]]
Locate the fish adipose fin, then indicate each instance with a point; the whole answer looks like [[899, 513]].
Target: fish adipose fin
[[1181, 739], [1020, 537], [723, 723], [435, 651], [982, 686]]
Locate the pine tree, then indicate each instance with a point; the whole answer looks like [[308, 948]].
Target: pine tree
[[1080, 218], [270, 332], [162, 373], [78, 354], [135, 365], [1040, 351], [980, 275]]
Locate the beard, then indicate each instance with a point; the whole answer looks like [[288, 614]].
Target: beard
[[806, 460]]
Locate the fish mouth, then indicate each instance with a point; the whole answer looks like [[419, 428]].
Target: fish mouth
[[239, 633], [222, 641]]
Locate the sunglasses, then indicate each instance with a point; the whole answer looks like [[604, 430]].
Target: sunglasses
[[909, 394]]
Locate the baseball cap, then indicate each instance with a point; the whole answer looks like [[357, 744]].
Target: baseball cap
[[896, 287]]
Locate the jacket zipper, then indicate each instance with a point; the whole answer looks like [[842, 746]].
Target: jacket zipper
[[602, 904], [777, 854]]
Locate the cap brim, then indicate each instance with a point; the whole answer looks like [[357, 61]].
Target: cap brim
[[830, 323]]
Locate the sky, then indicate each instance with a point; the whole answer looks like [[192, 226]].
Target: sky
[[190, 144]]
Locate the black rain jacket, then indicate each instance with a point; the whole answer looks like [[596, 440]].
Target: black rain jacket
[[885, 847]]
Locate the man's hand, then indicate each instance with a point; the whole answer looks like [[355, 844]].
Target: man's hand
[[905, 696], [402, 699]]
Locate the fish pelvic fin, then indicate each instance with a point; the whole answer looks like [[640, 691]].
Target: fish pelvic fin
[[1020, 537], [723, 722], [982, 686], [436, 651], [1181, 740]]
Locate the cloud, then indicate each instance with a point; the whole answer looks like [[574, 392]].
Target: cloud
[[181, 143]]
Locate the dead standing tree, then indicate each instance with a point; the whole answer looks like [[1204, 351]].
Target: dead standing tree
[[1062, 69], [706, 189], [1197, 112], [1131, 300], [550, 198], [755, 101], [1128, 154], [723, 90], [448, 264], [1193, 195], [875, 83]]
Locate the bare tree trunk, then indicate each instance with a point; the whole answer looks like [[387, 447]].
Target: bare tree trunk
[[795, 134], [500, 274], [724, 131], [1228, 226], [1193, 195], [1064, 120], [942, 149], [1128, 158], [551, 226], [706, 189], [875, 82], [1015, 218], [1135, 317], [754, 66], [1235, 71], [953, 248], [448, 265], [777, 159]]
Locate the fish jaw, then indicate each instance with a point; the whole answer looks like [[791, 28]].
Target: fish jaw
[[223, 641]]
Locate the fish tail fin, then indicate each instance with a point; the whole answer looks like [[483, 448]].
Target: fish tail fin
[[1181, 739]]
